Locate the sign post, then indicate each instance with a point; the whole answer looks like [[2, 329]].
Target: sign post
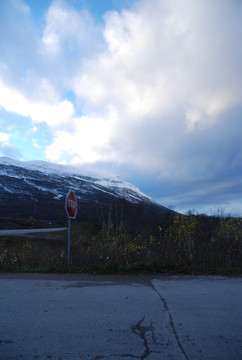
[[71, 209]]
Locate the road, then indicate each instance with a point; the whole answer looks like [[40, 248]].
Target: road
[[70, 317], [24, 232]]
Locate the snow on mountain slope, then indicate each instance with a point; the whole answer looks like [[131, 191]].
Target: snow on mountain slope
[[57, 178]]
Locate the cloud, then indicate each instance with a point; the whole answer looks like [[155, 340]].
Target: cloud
[[156, 88], [54, 114], [7, 149], [19, 39], [4, 137], [36, 145], [68, 31], [69, 37], [169, 70], [89, 142]]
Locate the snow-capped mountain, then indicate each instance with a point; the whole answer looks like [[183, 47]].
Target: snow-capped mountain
[[56, 179], [39, 188]]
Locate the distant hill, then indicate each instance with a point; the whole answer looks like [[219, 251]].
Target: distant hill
[[35, 192]]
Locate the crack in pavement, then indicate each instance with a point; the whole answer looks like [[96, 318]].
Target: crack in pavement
[[171, 321], [141, 330]]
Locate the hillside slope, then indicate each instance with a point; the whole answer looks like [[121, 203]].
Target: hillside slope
[[36, 191]]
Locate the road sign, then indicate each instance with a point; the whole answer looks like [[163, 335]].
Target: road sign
[[71, 209], [71, 204]]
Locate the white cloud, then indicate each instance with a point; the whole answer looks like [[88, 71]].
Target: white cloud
[[32, 131], [4, 138], [69, 38], [87, 144], [67, 30], [56, 114], [206, 108], [6, 148]]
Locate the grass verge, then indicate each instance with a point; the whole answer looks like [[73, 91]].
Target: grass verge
[[145, 268]]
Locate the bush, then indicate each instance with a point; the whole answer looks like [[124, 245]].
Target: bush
[[187, 244]]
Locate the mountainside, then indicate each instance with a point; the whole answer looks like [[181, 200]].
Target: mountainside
[[37, 190]]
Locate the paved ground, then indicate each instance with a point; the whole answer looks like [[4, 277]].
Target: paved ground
[[120, 317], [28, 231]]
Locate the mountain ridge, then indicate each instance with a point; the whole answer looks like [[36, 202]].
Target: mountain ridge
[[112, 182], [38, 189]]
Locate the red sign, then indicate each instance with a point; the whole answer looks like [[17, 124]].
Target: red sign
[[71, 204]]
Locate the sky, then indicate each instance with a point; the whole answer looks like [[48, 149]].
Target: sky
[[150, 90]]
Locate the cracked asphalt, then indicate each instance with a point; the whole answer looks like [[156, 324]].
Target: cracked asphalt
[[120, 317]]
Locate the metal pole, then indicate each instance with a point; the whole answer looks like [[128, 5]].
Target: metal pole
[[69, 241]]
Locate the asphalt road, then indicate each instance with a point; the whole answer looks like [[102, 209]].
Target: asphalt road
[[120, 317], [28, 231]]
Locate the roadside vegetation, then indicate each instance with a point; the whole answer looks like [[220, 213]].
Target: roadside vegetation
[[175, 243]]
